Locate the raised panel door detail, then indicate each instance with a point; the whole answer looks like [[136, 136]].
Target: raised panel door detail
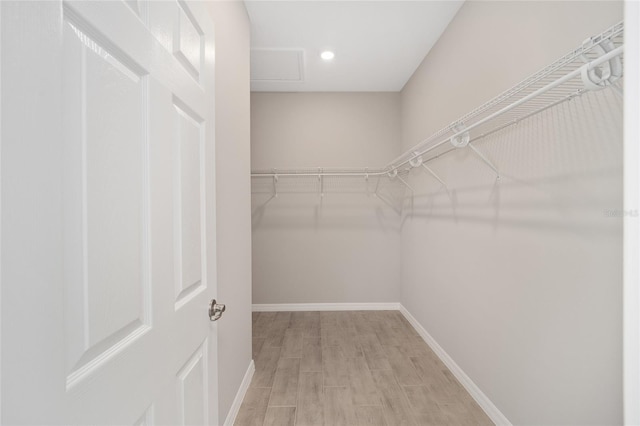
[[147, 417], [134, 5], [106, 201], [193, 389], [162, 22], [189, 206], [140, 8], [188, 43], [97, 104]]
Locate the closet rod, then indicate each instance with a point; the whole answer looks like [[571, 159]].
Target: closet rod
[[539, 100], [330, 174], [510, 123], [588, 46], [573, 74], [412, 154]]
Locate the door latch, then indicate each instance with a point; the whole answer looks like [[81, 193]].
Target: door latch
[[215, 310]]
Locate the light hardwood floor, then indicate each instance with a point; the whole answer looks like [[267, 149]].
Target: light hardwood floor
[[349, 368]]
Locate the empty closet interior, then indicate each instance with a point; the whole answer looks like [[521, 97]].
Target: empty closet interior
[[482, 198]]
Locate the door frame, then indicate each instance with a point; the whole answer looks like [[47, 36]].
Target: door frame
[[631, 289]]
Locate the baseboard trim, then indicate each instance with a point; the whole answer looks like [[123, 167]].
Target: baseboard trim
[[242, 391], [274, 307], [483, 401]]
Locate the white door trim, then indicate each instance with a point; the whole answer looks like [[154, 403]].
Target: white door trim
[[631, 290]]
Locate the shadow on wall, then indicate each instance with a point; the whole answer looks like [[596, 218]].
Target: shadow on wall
[[560, 171], [338, 204], [557, 171], [355, 212]]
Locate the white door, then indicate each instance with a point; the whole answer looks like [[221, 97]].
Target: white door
[[108, 213]]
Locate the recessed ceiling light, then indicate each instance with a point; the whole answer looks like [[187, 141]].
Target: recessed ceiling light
[[327, 55]]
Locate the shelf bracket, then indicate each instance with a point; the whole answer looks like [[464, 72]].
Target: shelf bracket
[[377, 186], [597, 77], [366, 182], [432, 173], [461, 137], [416, 161], [394, 174], [388, 203], [484, 159], [406, 184], [275, 181]]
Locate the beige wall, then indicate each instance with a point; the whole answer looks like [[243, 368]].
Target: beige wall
[[233, 201], [343, 247], [520, 281]]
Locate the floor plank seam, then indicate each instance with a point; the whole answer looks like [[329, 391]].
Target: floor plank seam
[[346, 361]]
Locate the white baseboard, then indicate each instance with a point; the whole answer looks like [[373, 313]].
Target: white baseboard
[[242, 391], [483, 401], [394, 306]]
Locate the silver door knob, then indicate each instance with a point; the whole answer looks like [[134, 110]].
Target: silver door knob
[[215, 310]]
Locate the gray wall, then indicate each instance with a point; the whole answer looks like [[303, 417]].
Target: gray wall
[[520, 281], [343, 247], [233, 200]]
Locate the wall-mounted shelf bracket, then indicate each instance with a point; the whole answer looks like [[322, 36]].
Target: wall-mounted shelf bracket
[[275, 181], [321, 179], [375, 193], [366, 182], [416, 161], [393, 174], [485, 160], [406, 184], [462, 137], [432, 173], [599, 76]]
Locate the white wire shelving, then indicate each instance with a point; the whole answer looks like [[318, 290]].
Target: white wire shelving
[[595, 65]]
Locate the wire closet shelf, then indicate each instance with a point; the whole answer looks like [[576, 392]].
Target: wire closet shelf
[[595, 65]]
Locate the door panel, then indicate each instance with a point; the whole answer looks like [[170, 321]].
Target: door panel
[[188, 42], [106, 231], [147, 417], [133, 151], [192, 389], [189, 208]]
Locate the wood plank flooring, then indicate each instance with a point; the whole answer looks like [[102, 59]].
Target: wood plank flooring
[[349, 368]]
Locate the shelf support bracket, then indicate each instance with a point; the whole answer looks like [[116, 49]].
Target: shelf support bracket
[[432, 173], [321, 179], [406, 184], [366, 182], [597, 77], [393, 174], [377, 187], [484, 159], [275, 181]]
